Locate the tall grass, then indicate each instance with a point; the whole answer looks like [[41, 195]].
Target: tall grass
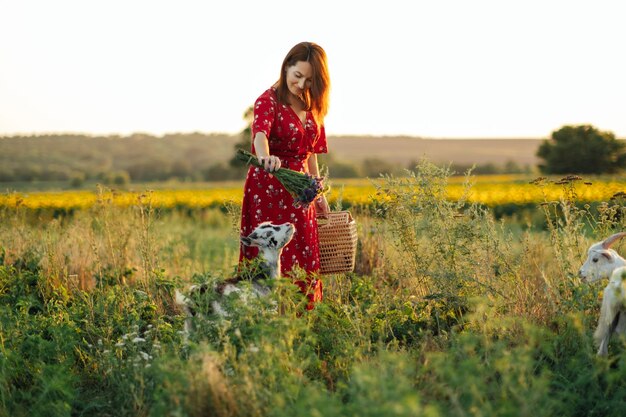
[[449, 312]]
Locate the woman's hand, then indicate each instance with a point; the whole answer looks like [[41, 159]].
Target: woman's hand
[[270, 163], [321, 206]]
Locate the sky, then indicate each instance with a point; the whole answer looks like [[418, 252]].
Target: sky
[[433, 69]]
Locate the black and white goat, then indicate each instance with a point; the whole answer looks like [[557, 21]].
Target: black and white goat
[[270, 239], [604, 262]]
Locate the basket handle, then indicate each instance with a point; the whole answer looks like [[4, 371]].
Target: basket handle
[[335, 217]]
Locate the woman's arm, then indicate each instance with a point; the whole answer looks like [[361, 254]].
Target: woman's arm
[[262, 149], [313, 166], [321, 204]]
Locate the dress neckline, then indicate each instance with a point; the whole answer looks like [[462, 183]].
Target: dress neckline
[[306, 116], [306, 112]]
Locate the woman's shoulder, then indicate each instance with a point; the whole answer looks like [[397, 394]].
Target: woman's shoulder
[[270, 94], [267, 102]]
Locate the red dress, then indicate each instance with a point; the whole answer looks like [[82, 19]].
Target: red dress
[[265, 199]]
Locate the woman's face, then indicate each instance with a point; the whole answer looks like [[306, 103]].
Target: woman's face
[[299, 77]]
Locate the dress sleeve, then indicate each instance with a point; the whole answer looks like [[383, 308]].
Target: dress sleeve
[[320, 145], [264, 112]]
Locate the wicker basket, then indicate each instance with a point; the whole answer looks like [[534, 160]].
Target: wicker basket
[[337, 238]]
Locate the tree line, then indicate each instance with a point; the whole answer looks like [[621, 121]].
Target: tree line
[[194, 157], [190, 157], [137, 157]]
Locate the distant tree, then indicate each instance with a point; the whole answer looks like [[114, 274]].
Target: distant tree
[[581, 149], [6, 174], [488, 168], [121, 178], [512, 167], [220, 172], [181, 170], [373, 167], [77, 179], [117, 178], [244, 140], [153, 169], [337, 168], [28, 172]]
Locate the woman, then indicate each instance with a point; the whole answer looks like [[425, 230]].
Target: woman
[[288, 131]]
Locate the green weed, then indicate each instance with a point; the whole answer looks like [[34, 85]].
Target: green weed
[[448, 313]]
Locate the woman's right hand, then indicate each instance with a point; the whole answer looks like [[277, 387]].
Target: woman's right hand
[[270, 163]]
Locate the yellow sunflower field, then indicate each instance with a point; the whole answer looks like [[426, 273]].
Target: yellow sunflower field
[[491, 191]]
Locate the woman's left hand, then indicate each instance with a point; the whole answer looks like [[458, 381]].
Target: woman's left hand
[[321, 206]]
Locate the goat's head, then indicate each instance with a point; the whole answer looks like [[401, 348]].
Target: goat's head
[[601, 259], [270, 236]]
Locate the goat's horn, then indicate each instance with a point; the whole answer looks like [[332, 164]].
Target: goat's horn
[[612, 239]]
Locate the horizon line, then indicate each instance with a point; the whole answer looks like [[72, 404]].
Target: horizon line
[[208, 133], [214, 133]]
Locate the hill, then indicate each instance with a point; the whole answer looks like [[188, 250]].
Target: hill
[[403, 150], [204, 157]]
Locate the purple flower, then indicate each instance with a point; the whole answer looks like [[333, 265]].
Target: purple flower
[[309, 194], [302, 186]]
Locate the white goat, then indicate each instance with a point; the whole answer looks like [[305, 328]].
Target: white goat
[[270, 239], [604, 262]]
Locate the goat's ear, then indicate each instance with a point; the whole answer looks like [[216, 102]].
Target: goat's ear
[[245, 240], [607, 255], [612, 239]]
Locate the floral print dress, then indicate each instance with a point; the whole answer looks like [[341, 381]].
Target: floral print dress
[[265, 199]]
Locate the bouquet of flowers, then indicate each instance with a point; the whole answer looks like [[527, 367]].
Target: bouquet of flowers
[[302, 186]]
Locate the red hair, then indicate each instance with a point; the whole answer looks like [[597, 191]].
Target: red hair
[[316, 97]]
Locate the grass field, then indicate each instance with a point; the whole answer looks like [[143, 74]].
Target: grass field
[[448, 312]]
